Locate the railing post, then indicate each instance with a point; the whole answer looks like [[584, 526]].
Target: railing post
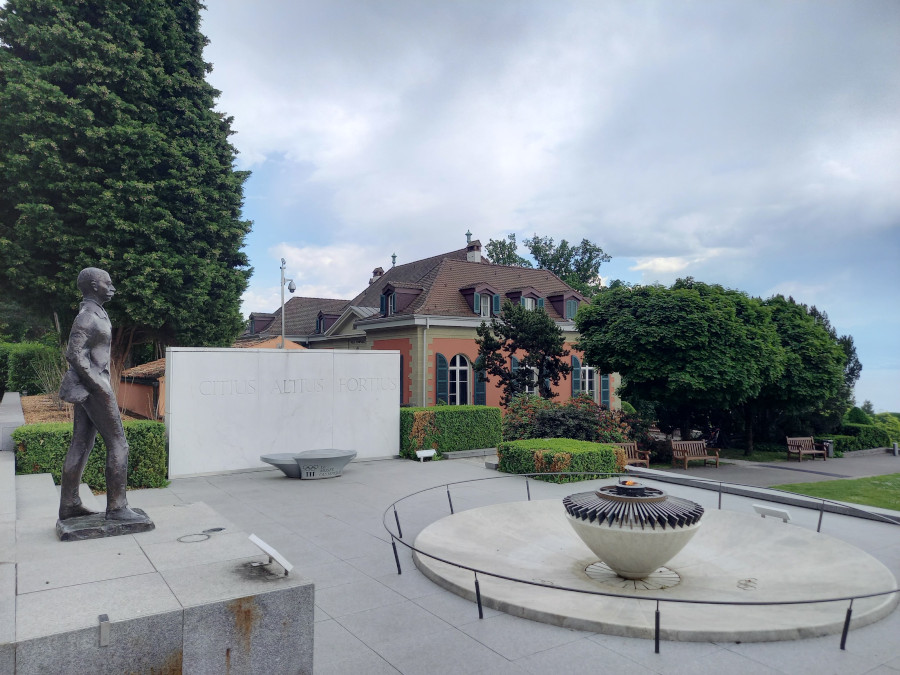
[[821, 513], [720, 495], [396, 557], [397, 518], [478, 597], [656, 637], [528, 489], [449, 500], [846, 625]]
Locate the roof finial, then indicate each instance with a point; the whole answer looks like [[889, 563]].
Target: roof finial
[[468, 237], [393, 259]]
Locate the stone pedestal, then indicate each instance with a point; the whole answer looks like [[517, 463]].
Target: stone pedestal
[[95, 526]]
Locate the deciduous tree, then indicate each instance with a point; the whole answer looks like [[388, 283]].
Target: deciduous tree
[[112, 155], [692, 348]]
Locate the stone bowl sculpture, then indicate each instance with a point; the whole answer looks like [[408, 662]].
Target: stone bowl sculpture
[[632, 528], [284, 461]]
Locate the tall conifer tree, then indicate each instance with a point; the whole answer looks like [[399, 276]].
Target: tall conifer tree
[[112, 155]]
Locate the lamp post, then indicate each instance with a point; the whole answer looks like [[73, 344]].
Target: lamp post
[[291, 287]]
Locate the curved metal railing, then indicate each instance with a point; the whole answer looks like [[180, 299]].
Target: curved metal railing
[[398, 537]]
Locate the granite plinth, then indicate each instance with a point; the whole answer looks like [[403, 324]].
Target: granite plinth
[[96, 526]]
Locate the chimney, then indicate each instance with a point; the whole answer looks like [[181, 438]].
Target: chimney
[[473, 251], [377, 273]]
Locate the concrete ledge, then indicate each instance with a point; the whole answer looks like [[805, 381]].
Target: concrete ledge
[[791, 499], [463, 454], [177, 599]]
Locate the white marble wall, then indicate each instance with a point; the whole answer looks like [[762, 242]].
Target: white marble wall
[[226, 407]]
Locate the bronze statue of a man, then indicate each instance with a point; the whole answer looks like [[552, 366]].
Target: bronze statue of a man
[[87, 385]]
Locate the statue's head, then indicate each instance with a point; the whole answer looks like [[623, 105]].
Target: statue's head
[[95, 284]]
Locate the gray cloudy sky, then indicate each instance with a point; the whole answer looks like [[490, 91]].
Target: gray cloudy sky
[[752, 144]]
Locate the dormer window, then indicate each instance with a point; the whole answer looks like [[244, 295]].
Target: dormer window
[[388, 304], [483, 299], [566, 303], [320, 325], [528, 303]]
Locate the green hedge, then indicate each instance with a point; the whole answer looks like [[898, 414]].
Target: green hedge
[[448, 428], [869, 435], [27, 363], [5, 349], [41, 448], [552, 455]]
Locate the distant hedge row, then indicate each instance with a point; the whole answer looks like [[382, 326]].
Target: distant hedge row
[[448, 428], [41, 448]]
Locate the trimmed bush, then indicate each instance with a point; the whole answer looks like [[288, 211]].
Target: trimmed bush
[[856, 416], [889, 424], [27, 364], [869, 435], [552, 455], [448, 428], [5, 350], [41, 448]]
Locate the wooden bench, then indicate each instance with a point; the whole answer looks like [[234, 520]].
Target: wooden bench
[[805, 445], [633, 455], [693, 451]]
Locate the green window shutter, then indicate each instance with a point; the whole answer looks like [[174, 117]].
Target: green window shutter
[[522, 300], [383, 304], [513, 364], [576, 375], [441, 378], [497, 304], [476, 303], [604, 390], [480, 384], [540, 303]]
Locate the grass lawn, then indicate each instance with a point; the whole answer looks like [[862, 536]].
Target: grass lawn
[[881, 491], [755, 456]]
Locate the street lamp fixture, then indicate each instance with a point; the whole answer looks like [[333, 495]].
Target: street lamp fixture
[[291, 287]]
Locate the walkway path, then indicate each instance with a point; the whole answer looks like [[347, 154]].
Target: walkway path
[[371, 620]]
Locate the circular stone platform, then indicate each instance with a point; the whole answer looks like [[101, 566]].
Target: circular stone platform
[[734, 557]]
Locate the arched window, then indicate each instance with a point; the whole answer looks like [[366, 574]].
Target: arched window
[[458, 390]]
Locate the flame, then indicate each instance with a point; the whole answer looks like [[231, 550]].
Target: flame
[[629, 482]]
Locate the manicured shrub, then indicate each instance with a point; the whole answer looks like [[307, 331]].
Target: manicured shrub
[[842, 443], [28, 366], [889, 423], [5, 349], [628, 409], [869, 435], [529, 416], [41, 448], [448, 428], [856, 416], [553, 455]]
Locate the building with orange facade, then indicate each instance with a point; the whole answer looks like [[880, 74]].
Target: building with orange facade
[[429, 311]]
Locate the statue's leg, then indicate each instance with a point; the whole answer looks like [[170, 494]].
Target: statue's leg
[[83, 434], [104, 413]]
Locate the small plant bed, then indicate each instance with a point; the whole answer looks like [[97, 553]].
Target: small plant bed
[[880, 491], [560, 455]]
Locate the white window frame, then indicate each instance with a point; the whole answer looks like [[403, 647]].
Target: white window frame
[[533, 387], [486, 302], [529, 303], [459, 380], [589, 381]]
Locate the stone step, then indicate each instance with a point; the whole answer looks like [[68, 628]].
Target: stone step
[[36, 497], [463, 454], [7, 486]]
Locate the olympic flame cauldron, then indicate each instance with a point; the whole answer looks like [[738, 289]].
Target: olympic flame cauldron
[[633, 528]]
